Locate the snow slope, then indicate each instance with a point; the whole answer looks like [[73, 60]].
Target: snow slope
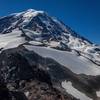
[[76, 64]]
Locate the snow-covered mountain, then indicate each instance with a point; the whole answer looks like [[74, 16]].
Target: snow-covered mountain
[[35, 46], [39, 27]]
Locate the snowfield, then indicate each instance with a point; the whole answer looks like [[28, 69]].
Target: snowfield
[[98, 93], [76, 64], [12, 40]]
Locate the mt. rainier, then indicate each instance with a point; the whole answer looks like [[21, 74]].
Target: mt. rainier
[[39, 52]]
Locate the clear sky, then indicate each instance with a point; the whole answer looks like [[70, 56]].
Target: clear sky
[[83, 16]]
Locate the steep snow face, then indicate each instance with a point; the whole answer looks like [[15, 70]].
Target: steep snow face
[[73, 91], [76, 64]]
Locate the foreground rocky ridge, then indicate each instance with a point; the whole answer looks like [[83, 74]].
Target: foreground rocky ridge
[[32, 90], [27, 73]]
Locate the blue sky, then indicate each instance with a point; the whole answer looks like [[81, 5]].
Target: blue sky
[[83, 16]]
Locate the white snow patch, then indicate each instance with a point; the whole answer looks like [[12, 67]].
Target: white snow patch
[[98, 93], [73, 91], [54, 43], [26, 94], [35, 43]]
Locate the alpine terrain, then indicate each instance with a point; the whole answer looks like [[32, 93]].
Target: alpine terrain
[[41, 58]]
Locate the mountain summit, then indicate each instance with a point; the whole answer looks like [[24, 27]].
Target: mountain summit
[[40, 27], [42, 58]]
